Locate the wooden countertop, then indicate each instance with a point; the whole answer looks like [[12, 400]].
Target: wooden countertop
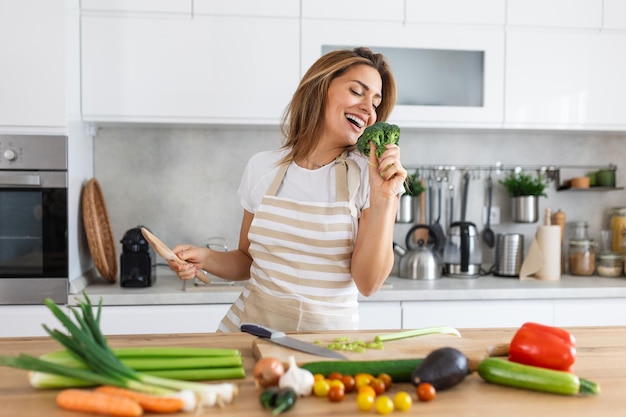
[[601, 358]]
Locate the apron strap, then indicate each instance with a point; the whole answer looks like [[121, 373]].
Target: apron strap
[[348, 180], [278, 179]]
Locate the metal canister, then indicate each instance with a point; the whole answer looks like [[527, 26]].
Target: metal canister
[[509, 254]]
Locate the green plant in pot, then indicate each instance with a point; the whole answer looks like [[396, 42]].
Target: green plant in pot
[[525, 190], [408, 206]]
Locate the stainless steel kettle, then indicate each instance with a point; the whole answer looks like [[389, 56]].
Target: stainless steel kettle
[[418, 262], [462, 254]]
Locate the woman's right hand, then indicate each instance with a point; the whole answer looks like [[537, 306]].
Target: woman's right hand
[[194, 256]]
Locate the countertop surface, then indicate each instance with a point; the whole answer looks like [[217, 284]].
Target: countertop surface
[[168, 289], [601, 358]]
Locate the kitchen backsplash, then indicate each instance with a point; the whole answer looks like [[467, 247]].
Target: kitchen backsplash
[[181, 182]]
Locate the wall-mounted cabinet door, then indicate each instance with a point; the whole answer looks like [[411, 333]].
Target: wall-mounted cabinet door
[[257, 8], [446, 75], [581, 14], [614, 14], [565, 80], [32, 66], [200, 70], [372, 10], [138, 6], [481, 12]]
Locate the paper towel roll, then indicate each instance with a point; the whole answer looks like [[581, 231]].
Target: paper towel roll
[[549, 240], [543, 260]]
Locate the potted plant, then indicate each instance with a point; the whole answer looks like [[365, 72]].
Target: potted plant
[[408, 201], [525, 190]]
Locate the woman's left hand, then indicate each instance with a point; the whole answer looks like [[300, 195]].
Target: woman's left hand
[[387, 173]]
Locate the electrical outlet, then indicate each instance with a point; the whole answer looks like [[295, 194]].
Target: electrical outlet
[[495, 215]]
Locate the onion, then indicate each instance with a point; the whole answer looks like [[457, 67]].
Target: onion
[[268, 371]]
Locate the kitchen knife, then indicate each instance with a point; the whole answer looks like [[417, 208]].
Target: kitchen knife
[[280, 338]]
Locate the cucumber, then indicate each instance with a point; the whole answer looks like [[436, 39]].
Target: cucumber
[[504, 372], [399, 369]]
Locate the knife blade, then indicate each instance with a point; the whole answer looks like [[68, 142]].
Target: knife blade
[[280, 338]]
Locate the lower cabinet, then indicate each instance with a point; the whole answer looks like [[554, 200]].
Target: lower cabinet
[[374, 315], [26, 321], [162, 319]]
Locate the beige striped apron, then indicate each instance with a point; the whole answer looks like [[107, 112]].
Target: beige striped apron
[[300, 275]]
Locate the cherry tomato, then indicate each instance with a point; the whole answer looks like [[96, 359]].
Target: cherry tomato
[[337, 383], [336, 393], [362, 380], [334, 375], [378, 385], [402, 401], [366, 389], [321, 387], [365, 401], [425, 391], [383, 404], [386, 378], [349, 383], [318, 376]]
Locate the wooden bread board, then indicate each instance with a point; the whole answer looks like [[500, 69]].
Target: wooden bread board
[[409, 348]]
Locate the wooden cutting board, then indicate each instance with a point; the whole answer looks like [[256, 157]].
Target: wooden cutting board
[[414, 347]]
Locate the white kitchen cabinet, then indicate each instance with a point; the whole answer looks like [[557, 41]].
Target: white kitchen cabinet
[[391, 10], [26, 320], [376, 315], [32, 72], [570, 80], [581, 14], [257, 8], [137, 6], [203, 70], [614, 14], [482, 12], [405, 40], [476, 314], [162, 319], [590, 312]]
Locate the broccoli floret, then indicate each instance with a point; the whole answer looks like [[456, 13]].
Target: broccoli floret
[[381, 134]]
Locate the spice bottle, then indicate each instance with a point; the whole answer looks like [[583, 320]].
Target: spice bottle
[[609, 264], [582, 257]]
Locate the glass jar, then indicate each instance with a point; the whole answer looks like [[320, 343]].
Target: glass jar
[[609, 264], [618, 224], [582, 257]]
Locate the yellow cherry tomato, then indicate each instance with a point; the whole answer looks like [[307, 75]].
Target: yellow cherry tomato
[[366, 389], [383, 404], [402, 401], [337, 383], [318, 376], [362, 379], [365, 401], [321, 387]]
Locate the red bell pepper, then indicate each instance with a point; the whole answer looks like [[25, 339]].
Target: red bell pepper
[[544, 346]]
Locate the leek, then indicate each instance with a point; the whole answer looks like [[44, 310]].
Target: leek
[[417, 332], [87, 343]]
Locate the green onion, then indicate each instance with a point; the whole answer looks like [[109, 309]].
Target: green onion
[[87, 343], [417, 332]]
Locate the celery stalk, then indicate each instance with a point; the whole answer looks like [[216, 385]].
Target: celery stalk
[[417, 332]]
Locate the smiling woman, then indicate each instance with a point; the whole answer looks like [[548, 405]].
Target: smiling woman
[[318, 215]]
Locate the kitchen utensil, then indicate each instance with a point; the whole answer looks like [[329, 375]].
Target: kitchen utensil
[[436, 228], [165, 252], [280, 338], [450, 205], [462, 255], [421, 262], [509, 254], [422, 233], [488, 235], [466, 179]]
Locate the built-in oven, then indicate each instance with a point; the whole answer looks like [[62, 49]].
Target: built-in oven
[[33, 219]]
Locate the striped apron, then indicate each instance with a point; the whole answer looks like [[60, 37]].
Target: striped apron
[[300, 274]]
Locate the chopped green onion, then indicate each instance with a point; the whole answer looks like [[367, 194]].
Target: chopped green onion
[[417, 332]]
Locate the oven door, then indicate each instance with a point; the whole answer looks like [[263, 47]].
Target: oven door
[[33, 235]]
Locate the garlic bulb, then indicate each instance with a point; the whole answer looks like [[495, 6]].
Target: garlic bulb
[[300, 380]]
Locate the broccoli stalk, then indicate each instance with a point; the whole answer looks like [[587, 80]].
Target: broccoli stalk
[[381, 134]]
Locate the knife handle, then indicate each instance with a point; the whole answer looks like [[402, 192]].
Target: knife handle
[[260, 331]]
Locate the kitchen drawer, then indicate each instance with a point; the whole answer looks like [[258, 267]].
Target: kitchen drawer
[[26, 320], [375, 315]]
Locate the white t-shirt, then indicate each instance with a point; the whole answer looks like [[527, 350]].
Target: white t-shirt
[[301, 184]]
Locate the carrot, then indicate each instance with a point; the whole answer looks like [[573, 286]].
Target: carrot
[[99, 403], [153, 403]]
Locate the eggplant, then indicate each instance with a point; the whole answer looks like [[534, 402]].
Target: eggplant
[[443, 368]]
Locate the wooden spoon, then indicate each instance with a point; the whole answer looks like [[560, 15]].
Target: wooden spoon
[[422, 233], [164, 251]]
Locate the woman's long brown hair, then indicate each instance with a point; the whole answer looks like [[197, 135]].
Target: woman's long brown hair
[[304, 117]]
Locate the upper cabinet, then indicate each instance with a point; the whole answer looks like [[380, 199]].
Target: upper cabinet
[[586, 14], [199, 69], [138, 6], [475, 12], [390, 10], [33, 68], [614, 15], [256, 8]]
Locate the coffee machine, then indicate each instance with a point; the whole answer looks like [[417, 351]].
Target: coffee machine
[[462, 255], [138, 261]]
